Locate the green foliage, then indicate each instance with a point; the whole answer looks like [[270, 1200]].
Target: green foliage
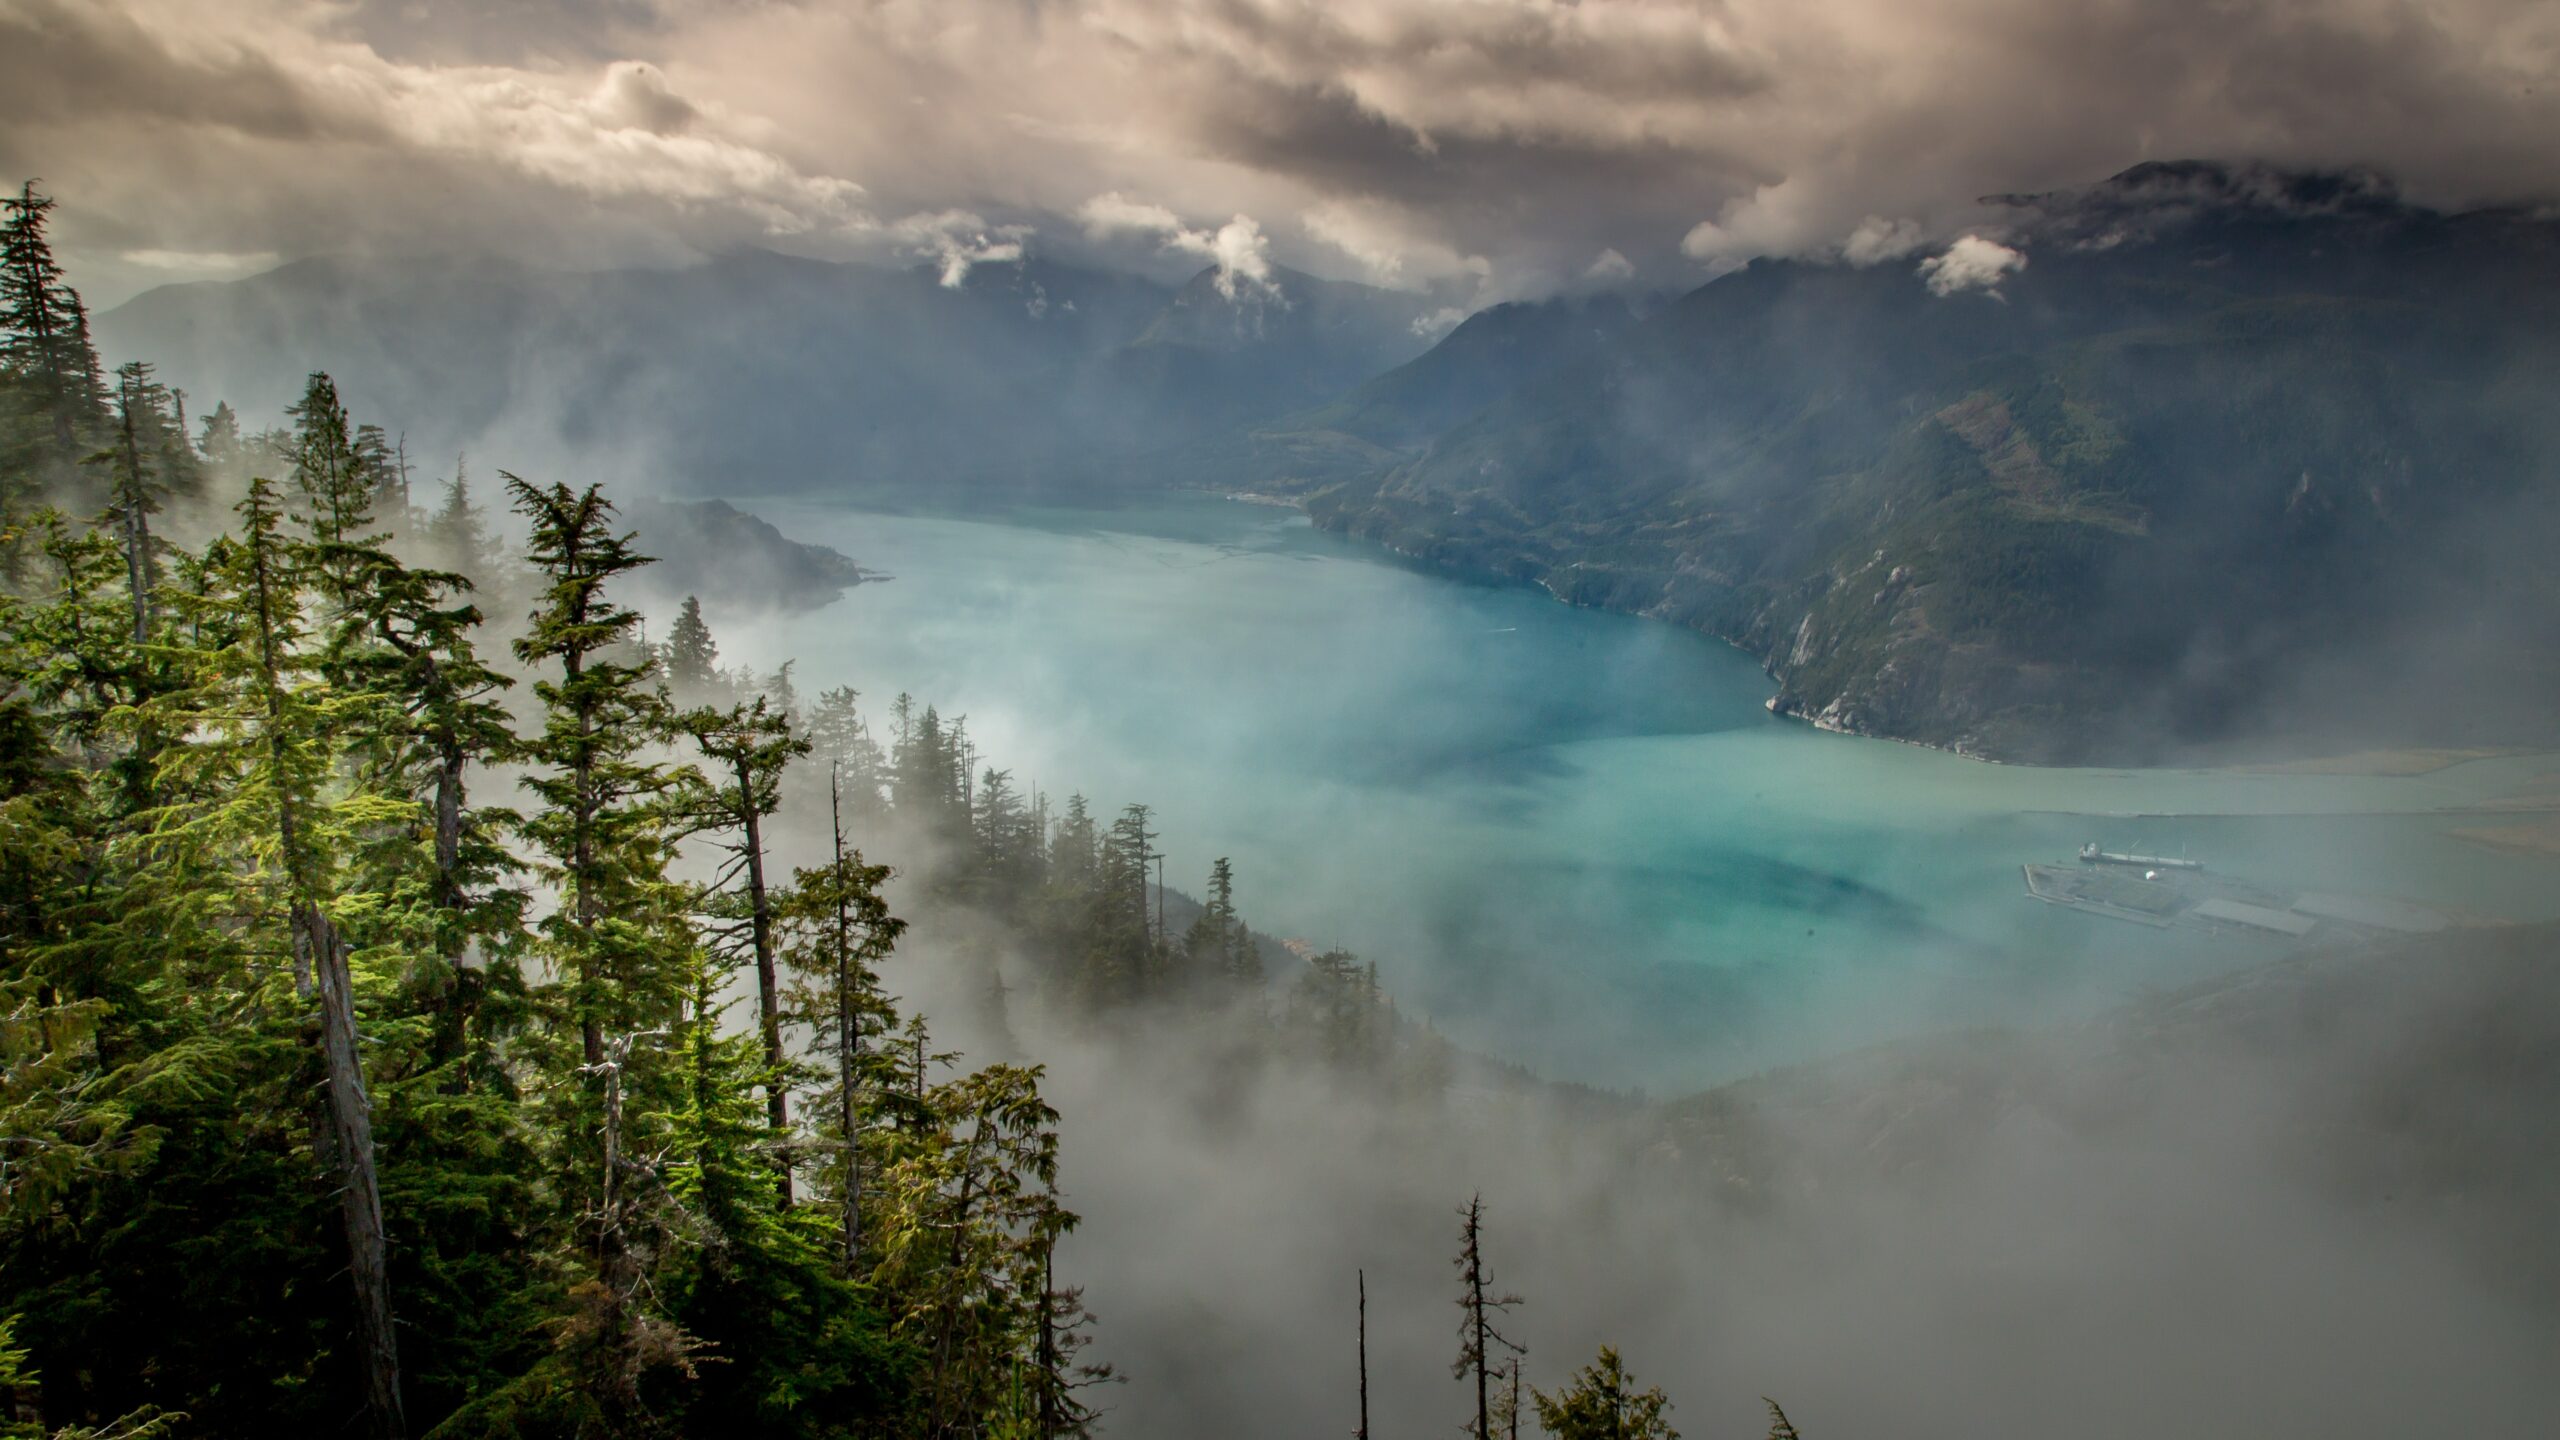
[[692, 658], [51, 394], [1602, 1403], [583, 1158], [271, 974]]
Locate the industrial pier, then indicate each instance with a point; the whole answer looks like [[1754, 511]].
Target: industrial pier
[[2162, 893]]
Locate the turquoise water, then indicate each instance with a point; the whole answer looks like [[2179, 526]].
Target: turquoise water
[[1573, 839]]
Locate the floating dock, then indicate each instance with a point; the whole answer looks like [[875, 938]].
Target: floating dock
[[2090, 854], [2162, 893], [2109, 893]]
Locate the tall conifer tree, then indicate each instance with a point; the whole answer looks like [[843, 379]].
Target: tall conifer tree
[[44, 335]]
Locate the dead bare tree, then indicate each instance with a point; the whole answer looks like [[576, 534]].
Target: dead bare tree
[[1363, 1431], [1478, 1340]]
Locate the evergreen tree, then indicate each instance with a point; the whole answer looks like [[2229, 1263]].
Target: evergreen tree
[[606, 828], [1123, 962], [384, 469], [44, 345], [841, 745], [976, 1208], [60, 1102], [692, 659], [835, 930], [1218, 945], [1602, 1403], [748, 747], [1005, 848], [455, 535], [263, 1033], [263, 725], [136, 463], [617, 939], [928, 774], [1340, 1006], [448, 717], [778, 689], [337, 493], [220, 443]]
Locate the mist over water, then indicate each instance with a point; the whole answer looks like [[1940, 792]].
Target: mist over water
[[1571, 839]]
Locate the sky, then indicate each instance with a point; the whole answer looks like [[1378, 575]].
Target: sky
[[1491, 148]]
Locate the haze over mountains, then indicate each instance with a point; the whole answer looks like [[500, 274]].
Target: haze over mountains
[[2201, 453], [760, 372], [2190, 457]]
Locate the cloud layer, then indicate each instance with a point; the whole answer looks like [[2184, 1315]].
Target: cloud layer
[[1494, 144]]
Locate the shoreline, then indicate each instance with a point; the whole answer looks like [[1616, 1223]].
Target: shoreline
[[2368, 762]]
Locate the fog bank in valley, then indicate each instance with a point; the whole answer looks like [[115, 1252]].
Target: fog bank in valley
[[2305, 1201], [2306, 1196]]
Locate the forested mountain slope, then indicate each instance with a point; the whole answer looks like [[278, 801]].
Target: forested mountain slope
[[2231, 454]]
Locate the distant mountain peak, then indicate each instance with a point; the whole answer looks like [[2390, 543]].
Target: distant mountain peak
[[2157, 185], [2161, 197]]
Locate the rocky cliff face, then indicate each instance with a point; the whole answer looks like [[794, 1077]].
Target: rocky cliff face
[[1860, 662], [2241, 472]]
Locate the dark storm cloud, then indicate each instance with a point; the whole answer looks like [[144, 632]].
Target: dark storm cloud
[[1498, 144]]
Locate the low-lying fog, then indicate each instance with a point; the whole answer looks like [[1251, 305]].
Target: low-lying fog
[[2308, 1199], [2315, 1204], [1573, 839]]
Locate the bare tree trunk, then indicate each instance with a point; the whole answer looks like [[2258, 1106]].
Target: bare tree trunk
[[581, 866], [461, 998], [1475, 1297], [137, 532], [449, 794], [318, 947], [1049, 1378], [777, 1104], [359, 1188], [614, 1262], [1364, 1356], [848, 1042]]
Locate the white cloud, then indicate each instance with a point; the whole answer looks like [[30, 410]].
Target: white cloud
[[1113, 213], [1778, 219], [1610, 268], [1441, 321], [1390, 245], [1877, 240], [960, 240], [1239, 249], [1413, 136], [1972, 263], [201, 262], [247, 126], [634, 96]]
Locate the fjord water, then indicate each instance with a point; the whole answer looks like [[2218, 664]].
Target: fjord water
[[1572, 839]]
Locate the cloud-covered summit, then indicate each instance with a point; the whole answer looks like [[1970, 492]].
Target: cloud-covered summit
[[1499, 146]]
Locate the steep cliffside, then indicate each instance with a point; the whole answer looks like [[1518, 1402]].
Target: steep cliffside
[[2223, 462]]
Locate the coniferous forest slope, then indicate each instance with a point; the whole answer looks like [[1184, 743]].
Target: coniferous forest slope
[[2232, 454]]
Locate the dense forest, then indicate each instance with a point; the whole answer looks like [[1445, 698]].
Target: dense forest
[[415, 1017]]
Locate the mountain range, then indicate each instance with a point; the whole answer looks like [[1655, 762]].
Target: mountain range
[[2200, 457], [756, 372], [2226, 457]]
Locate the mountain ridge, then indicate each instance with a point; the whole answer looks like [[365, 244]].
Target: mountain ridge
[[759, 372], [2245, 473]]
